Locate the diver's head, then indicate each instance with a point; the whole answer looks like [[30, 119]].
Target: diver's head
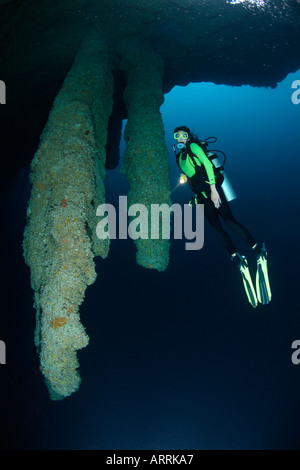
[[181, 134]]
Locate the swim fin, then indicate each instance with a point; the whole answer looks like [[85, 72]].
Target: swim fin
[[246, 276], [263, 289]]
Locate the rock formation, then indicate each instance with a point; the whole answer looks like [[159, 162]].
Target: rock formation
[[67, 176], [60, 241]]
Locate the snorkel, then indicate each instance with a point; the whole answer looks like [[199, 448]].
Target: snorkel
[[180, 146], [182, 134]]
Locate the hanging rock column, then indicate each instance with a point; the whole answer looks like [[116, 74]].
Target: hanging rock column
[[146, 164], [60, 240]]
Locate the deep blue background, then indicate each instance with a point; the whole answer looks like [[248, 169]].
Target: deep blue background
[[176, 360]]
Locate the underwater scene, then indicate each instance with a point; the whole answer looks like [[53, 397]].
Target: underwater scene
[[125, 325]]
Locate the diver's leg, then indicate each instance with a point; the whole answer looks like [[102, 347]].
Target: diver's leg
[[231, 222], [212, 216], [240, 261]]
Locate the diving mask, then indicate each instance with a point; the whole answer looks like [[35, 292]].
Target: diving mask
[[183, 135]]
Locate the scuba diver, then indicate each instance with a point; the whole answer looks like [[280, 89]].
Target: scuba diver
[[212, 189]]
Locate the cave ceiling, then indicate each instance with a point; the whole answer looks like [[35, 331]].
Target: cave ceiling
[[220, 41]]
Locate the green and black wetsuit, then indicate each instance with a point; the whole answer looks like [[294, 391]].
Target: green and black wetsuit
[[201, 174]]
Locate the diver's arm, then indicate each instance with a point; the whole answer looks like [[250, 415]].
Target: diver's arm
[[214, 195], [204, 160]]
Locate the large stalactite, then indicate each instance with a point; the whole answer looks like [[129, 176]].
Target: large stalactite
[[60, 242], [146, 162]]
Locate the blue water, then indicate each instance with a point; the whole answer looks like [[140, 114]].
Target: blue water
[[176, 360]]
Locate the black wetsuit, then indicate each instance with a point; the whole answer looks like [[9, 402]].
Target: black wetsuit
[[213, 215]]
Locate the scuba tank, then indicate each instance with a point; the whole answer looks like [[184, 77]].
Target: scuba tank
[[226, 186]]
